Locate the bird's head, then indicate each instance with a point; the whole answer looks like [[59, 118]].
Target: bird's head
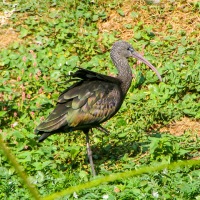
[[126, 50]]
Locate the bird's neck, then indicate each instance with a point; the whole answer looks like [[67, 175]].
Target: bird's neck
[[124, 71]]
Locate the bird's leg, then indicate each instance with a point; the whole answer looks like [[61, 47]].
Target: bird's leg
[[102, 129], [89, 152]]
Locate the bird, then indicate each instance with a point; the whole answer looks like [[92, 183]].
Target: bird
[[93, 99]]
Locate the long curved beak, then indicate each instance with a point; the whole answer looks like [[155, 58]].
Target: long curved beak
[[139, 57]]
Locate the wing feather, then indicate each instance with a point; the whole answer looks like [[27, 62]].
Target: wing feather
[[55, 120], [86, 104]]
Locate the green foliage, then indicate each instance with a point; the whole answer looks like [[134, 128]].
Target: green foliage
[[167, 149], [109, 178], [57, 36]]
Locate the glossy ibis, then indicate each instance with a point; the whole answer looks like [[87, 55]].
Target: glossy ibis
[[93, 98]]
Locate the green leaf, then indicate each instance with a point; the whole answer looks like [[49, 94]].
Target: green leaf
[[128, 26], [134, 14], [23, 32], [122, 135], [95, 18], [137, 35], [121, 12], [2, 113]]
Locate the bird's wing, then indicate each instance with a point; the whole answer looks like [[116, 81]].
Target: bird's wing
[[86, 104], [85, 74]]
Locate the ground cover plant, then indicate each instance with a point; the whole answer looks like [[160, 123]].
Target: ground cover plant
[[43, 41]]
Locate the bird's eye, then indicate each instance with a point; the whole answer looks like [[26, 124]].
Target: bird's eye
[[130, 49]]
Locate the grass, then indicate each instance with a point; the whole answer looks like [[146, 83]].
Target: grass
[[42, 41]]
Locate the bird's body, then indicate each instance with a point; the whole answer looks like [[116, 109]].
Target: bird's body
[[84, 105], [93, 99]]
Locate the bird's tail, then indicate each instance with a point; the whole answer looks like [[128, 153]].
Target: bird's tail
[[44, 136], [53, 124]]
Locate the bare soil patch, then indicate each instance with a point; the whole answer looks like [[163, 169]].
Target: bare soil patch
[[7, 37], [7, 34], [180, 127], [179, 16]]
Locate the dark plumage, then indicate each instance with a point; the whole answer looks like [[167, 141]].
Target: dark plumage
[[93, 99]]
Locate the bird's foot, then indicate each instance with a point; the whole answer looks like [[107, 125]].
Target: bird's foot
[[102, 129]]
